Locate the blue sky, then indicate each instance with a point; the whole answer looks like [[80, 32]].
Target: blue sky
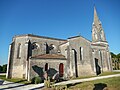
[[57, 18]]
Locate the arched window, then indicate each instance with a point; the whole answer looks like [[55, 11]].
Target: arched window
[[46, 66], [81, 53], [35, 46], [47, 48], [50, 49], [66, 53], [19, 51], [61, 69]]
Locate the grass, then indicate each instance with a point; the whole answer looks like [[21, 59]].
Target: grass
[[2, 77], [24, 81], [109, 73], [16, 80], [103, 74], [102, 84]]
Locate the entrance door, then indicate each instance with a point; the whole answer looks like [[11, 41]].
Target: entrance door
[[75, 62], [61, 69], [98, 69]]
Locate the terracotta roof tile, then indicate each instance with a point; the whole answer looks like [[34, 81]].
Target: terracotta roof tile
[[49, 56]]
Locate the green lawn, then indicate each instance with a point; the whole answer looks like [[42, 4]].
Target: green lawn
[[109, 73], [103, 74], [102, 84], [16, 80]]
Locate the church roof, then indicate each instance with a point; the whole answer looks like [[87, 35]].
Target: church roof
[[63, 43], [49, 56], [78, 36], [74, 37], [31, 35]]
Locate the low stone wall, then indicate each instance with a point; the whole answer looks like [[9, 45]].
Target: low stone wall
[[2, 73], [37, 66]]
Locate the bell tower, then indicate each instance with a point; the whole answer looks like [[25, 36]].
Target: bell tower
[[100, 48], [97, 30]]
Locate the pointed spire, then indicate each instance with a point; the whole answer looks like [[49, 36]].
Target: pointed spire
[[97, 30], [96, 18]]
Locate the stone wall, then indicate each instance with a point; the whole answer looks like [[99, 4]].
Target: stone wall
[[80, 66], [116, 63], [102, 54], [80, 56], [19, 58], [19, 63], [37, 66], [41, 42]]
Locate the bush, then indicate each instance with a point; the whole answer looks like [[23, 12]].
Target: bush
[[47, 83], [36, 80], [0, 69], [3, 68], [33, 80]]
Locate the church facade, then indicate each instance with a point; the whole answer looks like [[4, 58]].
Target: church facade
[[32, 55]]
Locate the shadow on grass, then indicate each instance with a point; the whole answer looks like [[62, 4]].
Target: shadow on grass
[[73, 84], [1, 82], [100, 86]]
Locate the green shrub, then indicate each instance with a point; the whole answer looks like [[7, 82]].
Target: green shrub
[[36, 80], [47, 83], [3, 68], [33, 80]]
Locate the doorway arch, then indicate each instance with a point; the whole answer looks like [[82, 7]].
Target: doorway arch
[[46, 67]]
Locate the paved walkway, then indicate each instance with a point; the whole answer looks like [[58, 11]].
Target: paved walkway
[[87, 79], [2, 73], [5, 85], [17, 86]]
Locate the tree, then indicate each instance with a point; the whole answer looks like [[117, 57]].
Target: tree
[[118, 55], [113, 55], [4, 68], [0, 68]]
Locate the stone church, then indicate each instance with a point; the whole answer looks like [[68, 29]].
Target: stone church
[[31, 55]]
